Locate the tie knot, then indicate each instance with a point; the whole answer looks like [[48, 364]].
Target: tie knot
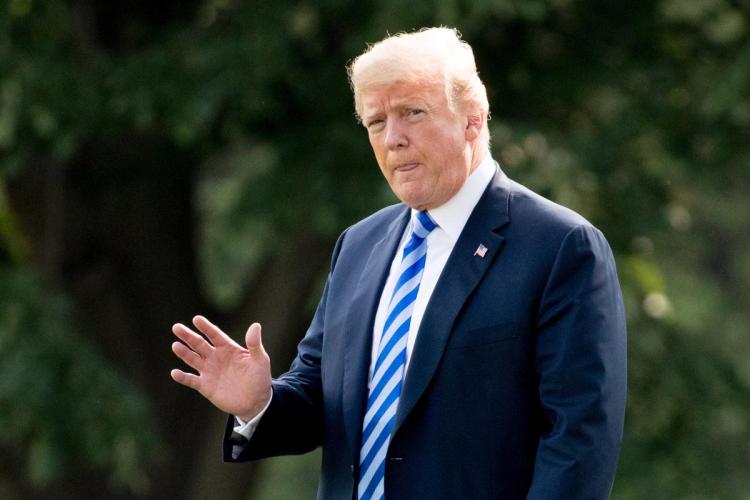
[[422, 224]]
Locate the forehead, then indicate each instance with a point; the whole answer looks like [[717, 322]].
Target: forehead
[[395, 95]]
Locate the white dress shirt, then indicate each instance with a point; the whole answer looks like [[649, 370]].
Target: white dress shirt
[[451, 218]]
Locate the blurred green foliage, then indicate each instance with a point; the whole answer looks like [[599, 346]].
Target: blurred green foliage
[[61, 405], [636, 114]]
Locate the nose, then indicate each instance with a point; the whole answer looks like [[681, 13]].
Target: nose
[[395, 135]]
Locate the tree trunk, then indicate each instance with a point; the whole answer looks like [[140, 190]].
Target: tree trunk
[[124, 249]]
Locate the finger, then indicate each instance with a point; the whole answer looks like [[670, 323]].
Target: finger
[[211, 331], [253, 338], [188, 356], [187, 379], [192, 339]]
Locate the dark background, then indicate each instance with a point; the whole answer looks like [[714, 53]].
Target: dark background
[[161, 159]]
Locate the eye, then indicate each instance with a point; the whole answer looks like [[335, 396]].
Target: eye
[[414, 113], [375, 124]]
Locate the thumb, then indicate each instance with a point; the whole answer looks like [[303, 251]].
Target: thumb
[[252, 338]]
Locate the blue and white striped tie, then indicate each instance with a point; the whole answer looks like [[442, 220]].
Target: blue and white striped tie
[[385, 385]]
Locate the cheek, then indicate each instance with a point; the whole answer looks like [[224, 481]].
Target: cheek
[[378, 151], [452, 171]]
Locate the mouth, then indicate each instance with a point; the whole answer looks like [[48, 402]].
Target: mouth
[[406, 166]]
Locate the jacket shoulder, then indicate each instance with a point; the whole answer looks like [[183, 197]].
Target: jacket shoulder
[[374, 225], [372, 228], [539, 215]]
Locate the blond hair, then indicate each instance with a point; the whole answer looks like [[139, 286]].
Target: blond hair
[[427, 56]]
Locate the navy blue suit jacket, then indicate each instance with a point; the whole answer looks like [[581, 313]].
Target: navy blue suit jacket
[[516, 385]]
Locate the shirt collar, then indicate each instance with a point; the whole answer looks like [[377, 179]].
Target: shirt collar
[[452, 215]]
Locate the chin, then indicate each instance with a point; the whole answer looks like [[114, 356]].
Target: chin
[[411, 201], [410, 197], [417, 205]]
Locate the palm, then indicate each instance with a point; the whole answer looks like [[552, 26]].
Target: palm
[[235, 379]]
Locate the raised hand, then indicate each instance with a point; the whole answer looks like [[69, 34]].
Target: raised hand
[[235, 379]]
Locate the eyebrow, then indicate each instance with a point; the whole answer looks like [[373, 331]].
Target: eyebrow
[[367, 118], [401, 104], [409, 102]]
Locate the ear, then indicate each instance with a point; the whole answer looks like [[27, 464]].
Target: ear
[[474, 123]]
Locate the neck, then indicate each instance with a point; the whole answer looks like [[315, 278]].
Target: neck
[[477, 155]]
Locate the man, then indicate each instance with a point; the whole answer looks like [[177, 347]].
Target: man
[[469, 343]]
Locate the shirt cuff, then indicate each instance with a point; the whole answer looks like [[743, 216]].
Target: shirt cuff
[[247, 429]]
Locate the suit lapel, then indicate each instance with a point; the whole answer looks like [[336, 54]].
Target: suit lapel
[[461, 275], [359, 327]]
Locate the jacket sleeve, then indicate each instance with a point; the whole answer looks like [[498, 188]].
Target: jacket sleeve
[[581, 369], [293, 422]]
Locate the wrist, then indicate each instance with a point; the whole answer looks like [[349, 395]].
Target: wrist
[[257, 409]]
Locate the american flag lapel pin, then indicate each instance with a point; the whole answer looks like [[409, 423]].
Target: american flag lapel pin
[[481, 251]]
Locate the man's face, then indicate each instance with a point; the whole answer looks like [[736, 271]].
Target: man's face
[[421, 145]]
